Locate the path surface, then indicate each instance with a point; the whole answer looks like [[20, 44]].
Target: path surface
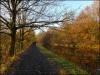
[[33, 62]]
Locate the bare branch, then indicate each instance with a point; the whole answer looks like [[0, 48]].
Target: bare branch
[[6, 22], [32, 24], [1, 32], [7, 6], [3, 22], [4, 19]]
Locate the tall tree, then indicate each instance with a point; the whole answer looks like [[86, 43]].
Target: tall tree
[[34, 9], [93, 10], [0, 42], [0, 46]]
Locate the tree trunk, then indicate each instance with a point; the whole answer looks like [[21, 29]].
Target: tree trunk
[[0, 47], [13, 42], [13, 28], [22, 38], [0, 42]]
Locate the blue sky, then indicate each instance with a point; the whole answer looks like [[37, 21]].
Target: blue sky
[[67, 5], [61, 7], [78, 4]]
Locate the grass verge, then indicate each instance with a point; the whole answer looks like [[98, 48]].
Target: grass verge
[[66, 67]]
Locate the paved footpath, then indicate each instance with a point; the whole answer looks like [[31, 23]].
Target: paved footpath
[[33, 62]]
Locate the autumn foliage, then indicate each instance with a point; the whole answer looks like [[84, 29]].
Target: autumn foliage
[[77, 41]]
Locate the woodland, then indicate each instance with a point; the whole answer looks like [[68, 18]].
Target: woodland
[[74, 38]]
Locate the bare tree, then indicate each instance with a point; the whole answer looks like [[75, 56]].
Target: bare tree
[[0, 43], [35, 11]]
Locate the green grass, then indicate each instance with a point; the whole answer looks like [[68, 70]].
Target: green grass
[[64, 64]]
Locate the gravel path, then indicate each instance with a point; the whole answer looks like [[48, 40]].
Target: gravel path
[[33, 62]]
